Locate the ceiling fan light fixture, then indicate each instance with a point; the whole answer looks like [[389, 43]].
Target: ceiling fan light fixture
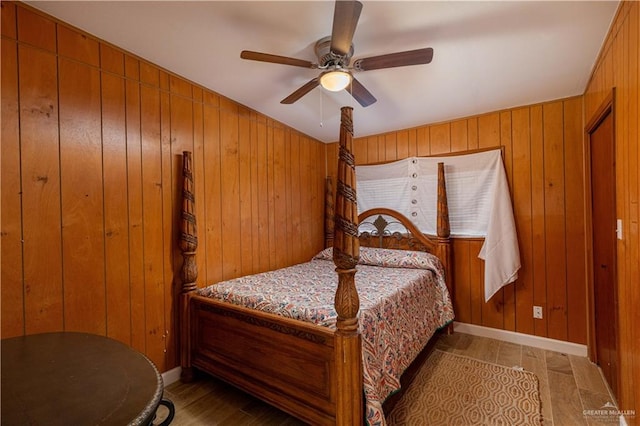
[[335, 80]]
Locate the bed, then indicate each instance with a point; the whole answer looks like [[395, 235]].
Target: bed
[[323, 364]]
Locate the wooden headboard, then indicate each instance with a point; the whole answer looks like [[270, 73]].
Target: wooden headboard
[[373, 228], [386, 228]]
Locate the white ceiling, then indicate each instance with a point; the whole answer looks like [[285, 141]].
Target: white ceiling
[[487, 55]]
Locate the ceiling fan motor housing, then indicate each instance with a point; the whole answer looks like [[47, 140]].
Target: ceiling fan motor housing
[[329, 60]]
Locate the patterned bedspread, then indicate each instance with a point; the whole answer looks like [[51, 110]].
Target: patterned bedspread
[[403, 301]]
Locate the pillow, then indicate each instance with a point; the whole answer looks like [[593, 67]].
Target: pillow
[[326, 254], [390, 258]]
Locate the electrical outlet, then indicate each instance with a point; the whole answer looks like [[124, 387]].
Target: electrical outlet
[[537, 312]]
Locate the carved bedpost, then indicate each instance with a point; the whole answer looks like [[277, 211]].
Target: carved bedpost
[[346, 252], [444, 232], [189, 273], [328, 213]]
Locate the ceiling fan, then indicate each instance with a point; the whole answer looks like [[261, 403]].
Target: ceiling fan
[[334, 54]]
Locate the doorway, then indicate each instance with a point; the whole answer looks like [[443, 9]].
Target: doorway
[[604, 293]]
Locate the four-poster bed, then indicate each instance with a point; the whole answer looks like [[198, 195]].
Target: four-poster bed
[[311, 370]]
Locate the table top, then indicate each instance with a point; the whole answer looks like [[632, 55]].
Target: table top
[[76, 379]]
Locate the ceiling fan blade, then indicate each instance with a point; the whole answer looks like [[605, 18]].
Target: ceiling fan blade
[[309, 86], [345, 20], [361, 94], [266, 57], [399, 59]]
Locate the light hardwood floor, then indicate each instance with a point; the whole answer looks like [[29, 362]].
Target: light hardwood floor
[[569, 385]]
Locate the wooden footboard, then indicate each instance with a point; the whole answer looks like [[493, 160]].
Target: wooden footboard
[[284, 362]]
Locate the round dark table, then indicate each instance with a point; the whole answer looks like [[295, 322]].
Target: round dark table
[[76, 379]]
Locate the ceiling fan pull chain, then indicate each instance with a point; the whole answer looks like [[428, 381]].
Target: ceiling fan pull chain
[[321, 95]]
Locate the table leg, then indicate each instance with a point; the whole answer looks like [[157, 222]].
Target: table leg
[[172, 412]]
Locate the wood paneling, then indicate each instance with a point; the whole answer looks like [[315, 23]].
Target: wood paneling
[[116, 218], [555, 251], [35, 29], [574, 221], [8, 20], [617, 66], [461, 270], [210, 225], [40, 177], [92, 142], [77, 46], [279, 199], [134, 205], [542, 149], [81, 197], [152, 224], [539, 261], [522, 208], [244, 178], [12, 287], [229, 170]]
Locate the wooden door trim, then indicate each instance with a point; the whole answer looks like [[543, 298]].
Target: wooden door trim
[[606, 107]]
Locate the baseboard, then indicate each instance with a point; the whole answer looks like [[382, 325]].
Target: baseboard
[[522, 339], [171, 376]]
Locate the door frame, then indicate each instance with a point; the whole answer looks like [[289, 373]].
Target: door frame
[[606, 107]]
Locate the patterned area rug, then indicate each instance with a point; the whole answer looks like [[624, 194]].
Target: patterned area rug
[[457, 390]]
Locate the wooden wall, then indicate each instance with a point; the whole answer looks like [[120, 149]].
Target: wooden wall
[[91, 148], [92, 141], [617, 66], [543, 159]]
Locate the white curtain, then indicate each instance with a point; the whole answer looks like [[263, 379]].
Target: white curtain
[[479, 204]]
